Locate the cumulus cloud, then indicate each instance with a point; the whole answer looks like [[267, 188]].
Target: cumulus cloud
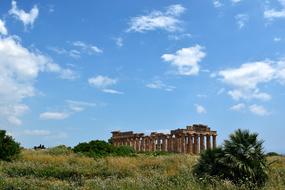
[[19, 68], [272, 14], [164, 20], [103, 83], [3, 29], [200, 109], [241, 20], [54, 115], [245, 79], [186, 60], [258, 110], [28, 18], [158, 84]]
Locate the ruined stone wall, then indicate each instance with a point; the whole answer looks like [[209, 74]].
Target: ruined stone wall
[[192, 140]]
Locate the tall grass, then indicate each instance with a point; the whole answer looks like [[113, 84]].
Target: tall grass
[[57, 169]]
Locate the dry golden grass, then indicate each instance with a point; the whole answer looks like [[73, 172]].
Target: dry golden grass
[[46, 170]]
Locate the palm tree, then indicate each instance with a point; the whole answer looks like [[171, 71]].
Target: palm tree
[[245, 158], [241, 160]]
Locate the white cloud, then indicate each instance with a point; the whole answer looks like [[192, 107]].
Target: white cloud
[[19, 69], [78, 106], [119, 41], [272, 14], [61, 51], [3, 29], [167, 20], [245, 80], [77, 49], [68, 74], [217, 3], [28, 18], [101, 81], [36, 132], [158, 84], [238, 107], [200, 109], [258, 110], [54, 115], [88, 48], [186, 60], [111, 91], [241, 20]]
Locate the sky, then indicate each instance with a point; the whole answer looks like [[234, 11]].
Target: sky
[[72, 72]]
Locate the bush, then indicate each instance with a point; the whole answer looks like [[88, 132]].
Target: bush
[[240, 160], [94, 148], [272, 154], [9, 149], [123, 151], [99, 148]]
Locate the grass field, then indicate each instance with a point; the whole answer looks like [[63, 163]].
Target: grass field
[[56, 169]]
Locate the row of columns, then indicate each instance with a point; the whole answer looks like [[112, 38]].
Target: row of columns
[[180, 143]]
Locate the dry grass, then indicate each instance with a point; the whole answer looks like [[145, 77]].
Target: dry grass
[[66, 170]]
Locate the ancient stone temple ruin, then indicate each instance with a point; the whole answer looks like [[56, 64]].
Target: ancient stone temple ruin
[[193, 140]]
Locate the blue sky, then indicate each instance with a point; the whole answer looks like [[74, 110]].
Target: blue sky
[[72, 72]]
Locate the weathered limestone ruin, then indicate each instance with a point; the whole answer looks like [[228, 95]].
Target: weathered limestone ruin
[[189, 141]]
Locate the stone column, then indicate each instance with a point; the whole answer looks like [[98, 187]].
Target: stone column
[[202, 144], [195, 151], [208, 141], [138, 144], [183, 143], [154, 143], [189, 145], [214, 141]]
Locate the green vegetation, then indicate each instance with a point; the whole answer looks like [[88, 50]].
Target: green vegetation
[[9, 149], [45, 169], [241, 160], [100, 148], [98, 165]]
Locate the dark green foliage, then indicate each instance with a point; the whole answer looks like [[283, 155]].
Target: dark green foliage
[[272, 154], [94, 148], [240, 160], [123, 151], [99, 148], [210, 164], [9, 149]]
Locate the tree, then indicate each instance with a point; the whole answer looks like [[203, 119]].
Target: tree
[[245, 158], [9, 149], [241, 159]]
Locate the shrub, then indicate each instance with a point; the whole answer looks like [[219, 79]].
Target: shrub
[[240, 160], [272, 154], [123, 151], [96, 148], [9, 149]]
